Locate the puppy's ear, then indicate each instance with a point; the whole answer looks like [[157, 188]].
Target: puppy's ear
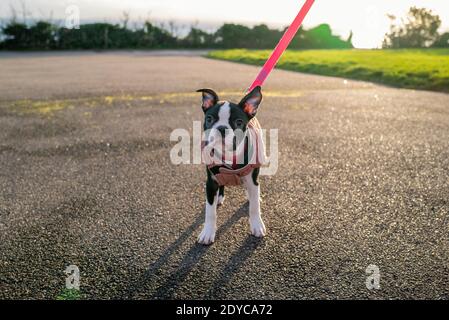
[[210, 98], [250, 103]]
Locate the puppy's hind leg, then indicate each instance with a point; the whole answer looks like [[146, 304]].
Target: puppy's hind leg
[[221, 196], [255, 220]]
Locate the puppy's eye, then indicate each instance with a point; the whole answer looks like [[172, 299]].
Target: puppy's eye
[[209, 120], [238, 123]]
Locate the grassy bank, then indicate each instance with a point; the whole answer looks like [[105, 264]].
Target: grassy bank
[[426, 69]]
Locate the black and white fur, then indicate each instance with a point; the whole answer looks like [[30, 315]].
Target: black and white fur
[[226, 117]]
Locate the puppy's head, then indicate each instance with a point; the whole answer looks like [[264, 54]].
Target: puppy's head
[[227, 120]]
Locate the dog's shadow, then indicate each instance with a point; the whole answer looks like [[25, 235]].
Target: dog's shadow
[[191, 258]]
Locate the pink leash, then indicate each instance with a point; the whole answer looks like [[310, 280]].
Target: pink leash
[[282, 45]]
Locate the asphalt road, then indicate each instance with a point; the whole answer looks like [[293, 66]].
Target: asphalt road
[[87, 180]]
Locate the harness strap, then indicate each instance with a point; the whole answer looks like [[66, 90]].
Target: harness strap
[[228, 176]]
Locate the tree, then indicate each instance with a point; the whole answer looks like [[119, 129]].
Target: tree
[[443, 41], [45, 35], [16, 36], [156, 37], [418, 30], [320, 37], [198, 38], [42, 36], [233, 36]]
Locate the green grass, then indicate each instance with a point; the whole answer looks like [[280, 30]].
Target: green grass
[[426, 69], [69, 294]]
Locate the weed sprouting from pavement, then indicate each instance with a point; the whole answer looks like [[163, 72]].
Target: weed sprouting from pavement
[[69, 294]]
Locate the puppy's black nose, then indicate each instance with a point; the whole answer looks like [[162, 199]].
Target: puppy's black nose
[[222, 130]]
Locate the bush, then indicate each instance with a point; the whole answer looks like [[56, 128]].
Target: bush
[[44, 36]]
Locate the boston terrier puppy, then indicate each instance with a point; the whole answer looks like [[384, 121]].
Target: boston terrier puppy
[[233, 151]]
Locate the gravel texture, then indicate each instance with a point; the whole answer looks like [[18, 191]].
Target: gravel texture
[[363, 179]]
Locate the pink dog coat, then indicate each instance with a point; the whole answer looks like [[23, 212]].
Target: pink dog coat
[[228, 174]]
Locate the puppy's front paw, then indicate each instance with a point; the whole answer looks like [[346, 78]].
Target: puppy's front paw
[[207, 236], [257, 228], [220, 200]]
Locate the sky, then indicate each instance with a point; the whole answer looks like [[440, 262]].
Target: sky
[[366, 18]]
